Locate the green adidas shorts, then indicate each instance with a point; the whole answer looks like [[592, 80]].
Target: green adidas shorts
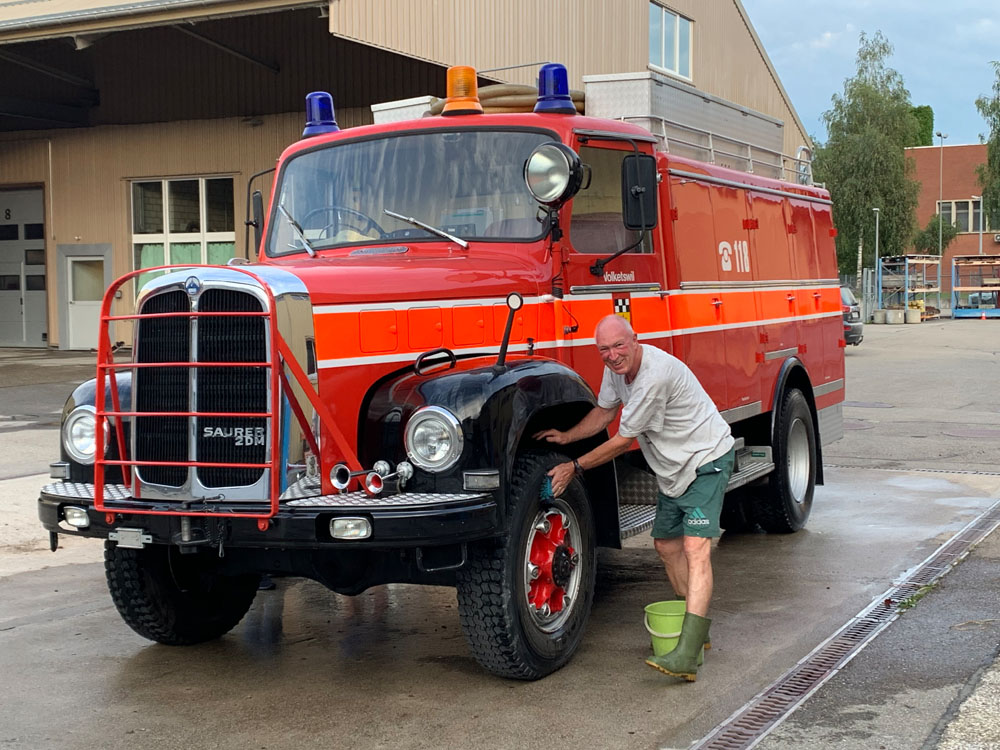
[[697, 511]]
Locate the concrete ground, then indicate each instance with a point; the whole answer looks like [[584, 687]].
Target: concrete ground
[[932, 679], [308, 668]]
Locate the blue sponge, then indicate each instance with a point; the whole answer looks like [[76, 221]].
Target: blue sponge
[[546, 491]]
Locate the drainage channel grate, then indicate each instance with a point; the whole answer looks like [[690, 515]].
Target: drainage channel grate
[[750, 724]]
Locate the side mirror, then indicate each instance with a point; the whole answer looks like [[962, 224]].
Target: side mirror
[[258, 219], [553, 174], [639, 191]]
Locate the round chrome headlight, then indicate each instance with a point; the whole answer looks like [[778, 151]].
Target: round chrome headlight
[[553, 174], [79, 434], [433, 438]]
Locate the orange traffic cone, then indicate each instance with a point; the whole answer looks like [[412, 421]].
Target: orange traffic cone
[[982, 316]]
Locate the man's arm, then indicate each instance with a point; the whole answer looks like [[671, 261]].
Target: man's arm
[[610, 449], [596, 420]]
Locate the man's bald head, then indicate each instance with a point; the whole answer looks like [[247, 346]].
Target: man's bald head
[[618, 346], [613, 325]]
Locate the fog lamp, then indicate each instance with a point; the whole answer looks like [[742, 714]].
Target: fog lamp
[[76, 517], [350, 528]]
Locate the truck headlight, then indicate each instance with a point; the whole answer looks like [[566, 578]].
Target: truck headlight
[[433, 438], [79, 434]]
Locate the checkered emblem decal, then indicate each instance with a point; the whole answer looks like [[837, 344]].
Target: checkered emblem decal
[[623, 307]]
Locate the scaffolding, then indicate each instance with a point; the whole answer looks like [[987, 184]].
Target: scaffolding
[[975, 286], [904, 281]]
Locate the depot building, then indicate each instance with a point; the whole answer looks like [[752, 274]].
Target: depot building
[[131, 132]]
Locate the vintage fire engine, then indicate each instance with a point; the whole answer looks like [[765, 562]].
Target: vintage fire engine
[[357, 406]]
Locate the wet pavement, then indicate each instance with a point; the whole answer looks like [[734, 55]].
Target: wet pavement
[[390, 668]]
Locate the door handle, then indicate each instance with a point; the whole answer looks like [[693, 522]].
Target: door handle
[[717, 303]]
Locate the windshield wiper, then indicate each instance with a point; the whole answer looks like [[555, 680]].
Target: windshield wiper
[[298, 231], [433, 230]]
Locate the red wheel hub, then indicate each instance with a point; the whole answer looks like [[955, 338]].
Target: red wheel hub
[[553, 560]]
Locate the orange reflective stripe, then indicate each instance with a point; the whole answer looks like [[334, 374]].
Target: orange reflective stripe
[[395, 331]]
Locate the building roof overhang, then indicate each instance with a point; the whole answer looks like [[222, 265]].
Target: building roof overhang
[[83, 19]]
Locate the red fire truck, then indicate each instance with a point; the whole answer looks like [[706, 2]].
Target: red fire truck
[[357, 405]]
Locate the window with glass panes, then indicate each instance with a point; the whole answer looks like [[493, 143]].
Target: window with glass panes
[[669, 41], [188, 220], [964, 214]]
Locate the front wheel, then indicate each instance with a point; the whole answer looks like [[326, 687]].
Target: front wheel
[[175, 599], [784, 506], [524, 600]]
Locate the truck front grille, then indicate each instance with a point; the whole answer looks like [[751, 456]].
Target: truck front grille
[[231, 389], [202, 389], [163, 389]]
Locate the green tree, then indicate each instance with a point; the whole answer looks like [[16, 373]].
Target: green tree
[[989, 173], [862, 162], [925, 241], [925, 122]]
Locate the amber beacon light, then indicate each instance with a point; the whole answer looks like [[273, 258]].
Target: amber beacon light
[[463, 92]]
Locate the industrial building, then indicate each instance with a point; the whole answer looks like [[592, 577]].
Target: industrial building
[[129, 130]]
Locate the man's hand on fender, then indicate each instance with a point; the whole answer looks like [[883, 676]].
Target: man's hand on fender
[[561, 475], [552, 436]]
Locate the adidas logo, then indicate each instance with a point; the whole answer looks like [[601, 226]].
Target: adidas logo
[[697, 518]]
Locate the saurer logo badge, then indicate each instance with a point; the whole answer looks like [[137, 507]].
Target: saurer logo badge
[[241, 436]]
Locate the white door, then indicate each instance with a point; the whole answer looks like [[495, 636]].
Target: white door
[[22, 268], [86, 288]]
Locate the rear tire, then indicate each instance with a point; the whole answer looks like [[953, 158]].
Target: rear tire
[[507, 635], [175, 599], [784, 506]]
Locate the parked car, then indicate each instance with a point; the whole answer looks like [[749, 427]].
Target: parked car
[[854, 329]]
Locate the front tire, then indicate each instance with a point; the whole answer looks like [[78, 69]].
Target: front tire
[[524, 600], [175, 599], [785, 505]]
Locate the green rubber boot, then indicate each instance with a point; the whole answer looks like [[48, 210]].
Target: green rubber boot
[[708, 638], [683, 660]]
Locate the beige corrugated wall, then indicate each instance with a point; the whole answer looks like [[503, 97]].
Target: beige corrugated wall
[[588, 36], [91, 168]]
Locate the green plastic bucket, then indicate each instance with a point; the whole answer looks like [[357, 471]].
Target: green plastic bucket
[[663, 621]]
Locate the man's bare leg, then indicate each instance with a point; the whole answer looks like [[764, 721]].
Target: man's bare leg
[[698, 554], [671, 552]]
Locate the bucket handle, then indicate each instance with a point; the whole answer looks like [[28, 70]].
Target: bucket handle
[[645, 621]]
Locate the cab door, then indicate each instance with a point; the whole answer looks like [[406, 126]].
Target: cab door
[[631, 284]]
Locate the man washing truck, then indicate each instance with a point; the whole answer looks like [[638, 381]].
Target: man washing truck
[[689, 447]]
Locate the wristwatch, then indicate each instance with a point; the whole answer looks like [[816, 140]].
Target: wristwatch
[[576, 467]]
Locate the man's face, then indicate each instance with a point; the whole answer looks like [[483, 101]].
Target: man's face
[[618, 348]]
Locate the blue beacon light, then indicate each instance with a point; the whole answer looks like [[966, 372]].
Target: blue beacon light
[[319, 114], [553, 91]]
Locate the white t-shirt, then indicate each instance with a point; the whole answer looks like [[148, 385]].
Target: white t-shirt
[[674, 420]]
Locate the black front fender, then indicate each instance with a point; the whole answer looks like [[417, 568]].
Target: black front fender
[[85, 394], [495, 406]]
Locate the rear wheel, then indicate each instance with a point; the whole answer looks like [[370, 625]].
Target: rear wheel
[[784, 505], [175, 599], [524, 600]]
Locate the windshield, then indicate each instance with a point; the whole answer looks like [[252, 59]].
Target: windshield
[[466, 183], [847, 296]]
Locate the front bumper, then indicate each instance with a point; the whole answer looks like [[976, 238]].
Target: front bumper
[[403, 520]]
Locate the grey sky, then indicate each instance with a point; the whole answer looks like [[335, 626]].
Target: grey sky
[[942, 50]]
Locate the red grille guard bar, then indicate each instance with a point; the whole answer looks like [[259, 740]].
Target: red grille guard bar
[[281, 358]]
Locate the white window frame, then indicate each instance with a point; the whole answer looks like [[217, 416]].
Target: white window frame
[[166, 237], [950, 213], [666, 14]]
